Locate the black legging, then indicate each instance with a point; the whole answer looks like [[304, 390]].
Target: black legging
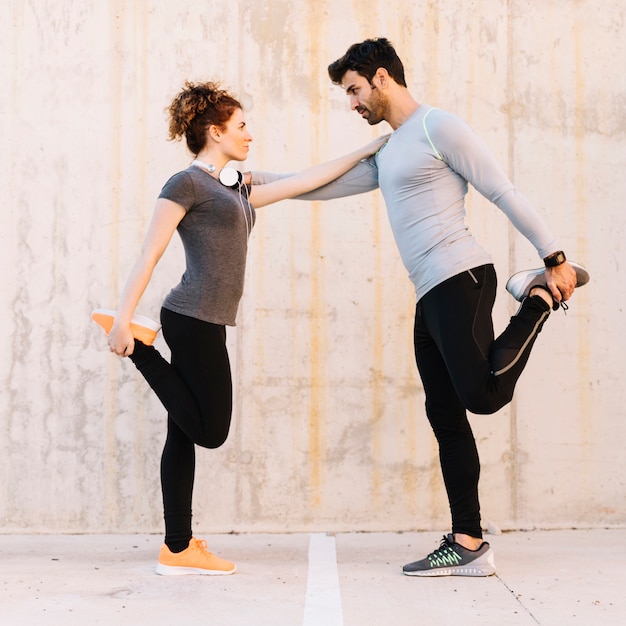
[[462, 367], [196, 390]]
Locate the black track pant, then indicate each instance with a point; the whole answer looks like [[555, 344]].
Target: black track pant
[[463, 368], [196, 390]]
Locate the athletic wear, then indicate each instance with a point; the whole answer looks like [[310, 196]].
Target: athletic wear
[[462, 367], [452, 559], [215, 234], [196, 390], [142, 328], [520, 284], [196, 559], [423, 172], [196, 387]]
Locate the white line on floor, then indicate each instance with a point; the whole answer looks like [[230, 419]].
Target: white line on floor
[[323, 597]]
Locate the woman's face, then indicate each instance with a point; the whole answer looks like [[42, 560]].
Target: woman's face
[[235, 137]]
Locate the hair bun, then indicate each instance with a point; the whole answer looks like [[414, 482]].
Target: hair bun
[[197, 107]]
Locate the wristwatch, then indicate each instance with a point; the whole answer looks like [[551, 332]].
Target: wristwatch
[[555, 259]]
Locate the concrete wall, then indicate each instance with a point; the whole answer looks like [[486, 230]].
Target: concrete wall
[[329, 427]]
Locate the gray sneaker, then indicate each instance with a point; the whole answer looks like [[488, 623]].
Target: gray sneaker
[[452, 559], [520, 284]]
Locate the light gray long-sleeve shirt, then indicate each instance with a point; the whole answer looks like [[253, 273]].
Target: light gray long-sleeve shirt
[[423, 172]]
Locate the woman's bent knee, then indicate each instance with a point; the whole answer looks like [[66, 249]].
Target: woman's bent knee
[[214, 438], [211, 442]]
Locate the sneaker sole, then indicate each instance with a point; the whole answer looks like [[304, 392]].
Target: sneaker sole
[[454, 571], [519, 284], [143, 328], [522, 282], [175, 570]]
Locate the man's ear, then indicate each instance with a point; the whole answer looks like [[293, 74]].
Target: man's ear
[[381, 78]]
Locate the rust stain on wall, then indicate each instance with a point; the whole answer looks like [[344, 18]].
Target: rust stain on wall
[[317, 333], [111, 406], [377, 383], [587, 417], [431, 32], [513, 466], [318, 320]]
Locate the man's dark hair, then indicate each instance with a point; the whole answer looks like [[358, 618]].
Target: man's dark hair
[[365, 58]]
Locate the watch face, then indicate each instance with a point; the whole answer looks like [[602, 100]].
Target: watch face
[[230, 177], [556, 259]]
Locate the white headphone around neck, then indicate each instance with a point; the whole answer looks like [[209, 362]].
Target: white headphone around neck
[[230, 177]]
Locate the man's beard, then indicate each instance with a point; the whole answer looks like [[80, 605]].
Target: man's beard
[[376, 108]]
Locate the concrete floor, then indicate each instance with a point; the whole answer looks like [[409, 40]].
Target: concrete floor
[[544, 577]]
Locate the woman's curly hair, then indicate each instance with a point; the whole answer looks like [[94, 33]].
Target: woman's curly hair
[[197, 107]]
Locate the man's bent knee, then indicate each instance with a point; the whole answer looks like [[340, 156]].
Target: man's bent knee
[[484, 405]]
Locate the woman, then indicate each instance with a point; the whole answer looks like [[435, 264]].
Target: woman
[[214, 216]]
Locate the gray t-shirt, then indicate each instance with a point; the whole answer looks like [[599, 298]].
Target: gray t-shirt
[[214, 233], [423, 172]]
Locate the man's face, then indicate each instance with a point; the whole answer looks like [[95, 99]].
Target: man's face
[[365, 98]]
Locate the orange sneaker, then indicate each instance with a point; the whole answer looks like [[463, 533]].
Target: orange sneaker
[[143, 328], [195, 559]]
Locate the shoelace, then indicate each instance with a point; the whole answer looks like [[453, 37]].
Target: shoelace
[[201, 545], [555, 304], [444, 549]]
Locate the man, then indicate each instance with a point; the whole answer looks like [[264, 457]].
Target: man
[[423, 172]]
